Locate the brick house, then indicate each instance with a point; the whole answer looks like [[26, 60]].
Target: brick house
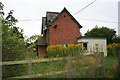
[[58, 28]]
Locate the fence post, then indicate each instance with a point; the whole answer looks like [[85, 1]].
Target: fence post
[[30, 68], [69, 69], [99, 73], [119, 64], [101, 68]]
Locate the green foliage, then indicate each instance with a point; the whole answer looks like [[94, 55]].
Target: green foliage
[[81, 66], [32, 39], [14, 70], [1, 8], [31, 44], [63, 51], [110, 66], [116, 39], [103, 32], [113, 49], [49, 67], [13, 47]]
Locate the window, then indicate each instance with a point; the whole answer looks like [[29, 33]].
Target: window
[[55, 26], [64, 15], [49, 21], [96, 47], [85, 45]]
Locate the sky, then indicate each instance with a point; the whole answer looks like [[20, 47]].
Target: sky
[[30, 12]]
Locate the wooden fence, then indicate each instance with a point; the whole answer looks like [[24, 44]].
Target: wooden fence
[[96, 67], [73, 65], [119, 64]]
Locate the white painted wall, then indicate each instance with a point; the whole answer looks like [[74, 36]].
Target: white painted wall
[[91, 46]]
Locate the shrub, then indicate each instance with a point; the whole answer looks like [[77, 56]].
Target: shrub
[[14, 70], [63, 51], [113, 49]]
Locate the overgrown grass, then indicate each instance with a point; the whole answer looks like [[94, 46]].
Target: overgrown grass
[[110, 66], [14, 70], [48, 67], [57, 69]]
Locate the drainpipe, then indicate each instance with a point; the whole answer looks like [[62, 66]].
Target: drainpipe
[[48, 37]]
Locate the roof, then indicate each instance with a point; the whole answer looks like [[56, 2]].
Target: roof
[[44, 22], [84, 37], [41, 40], [48, 19], [50, 16], [69, 15]]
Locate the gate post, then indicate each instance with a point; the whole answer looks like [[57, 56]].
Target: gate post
[[99, 73], [69, 67], [30, 68], [101, 69]]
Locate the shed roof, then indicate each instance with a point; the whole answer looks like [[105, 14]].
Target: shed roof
[[84, 37]]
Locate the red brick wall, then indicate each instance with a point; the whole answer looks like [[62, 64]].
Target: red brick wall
[[67, 31]]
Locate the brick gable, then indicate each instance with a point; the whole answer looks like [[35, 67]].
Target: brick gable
[[66, 31], [58, 28]]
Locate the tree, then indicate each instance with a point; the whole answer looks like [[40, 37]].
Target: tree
[[31, 45], [13, 45], [116, 39], [1, 18], [103, 32], [1, 8]]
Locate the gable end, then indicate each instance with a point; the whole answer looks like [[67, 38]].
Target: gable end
[[69, 15]]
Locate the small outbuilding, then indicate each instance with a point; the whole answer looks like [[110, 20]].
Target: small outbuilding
[[94, 44]]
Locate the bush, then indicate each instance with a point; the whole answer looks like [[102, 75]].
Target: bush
[[63, 51], [113, 49], [14, 70]]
